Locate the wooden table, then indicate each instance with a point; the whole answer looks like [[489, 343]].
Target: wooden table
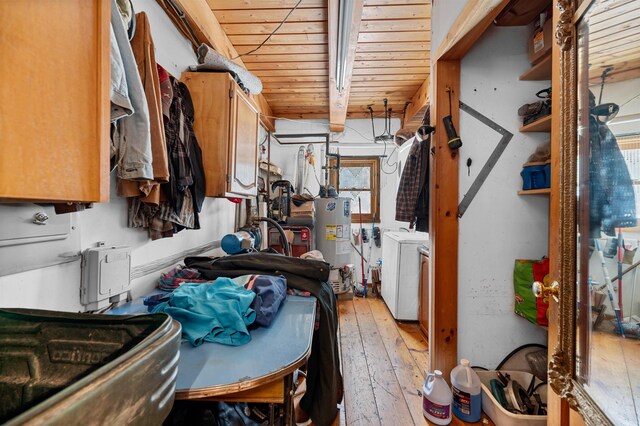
[[259, 371]]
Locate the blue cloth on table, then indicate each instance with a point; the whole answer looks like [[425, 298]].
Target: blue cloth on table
[[214, 312], [270, 291]]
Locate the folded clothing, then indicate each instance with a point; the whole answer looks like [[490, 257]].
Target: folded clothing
[[178, 276], [214, 312], [270, 293], [209, 59]]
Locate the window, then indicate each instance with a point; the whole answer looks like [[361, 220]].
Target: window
[[630, 147], [359, 177]]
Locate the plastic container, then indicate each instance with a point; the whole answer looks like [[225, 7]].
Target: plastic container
[[467, 392], [533, 177], [497, 413], [436, 399]]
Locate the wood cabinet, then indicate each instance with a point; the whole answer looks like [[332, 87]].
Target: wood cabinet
[[226, 125], [423, 296], [54, 100]]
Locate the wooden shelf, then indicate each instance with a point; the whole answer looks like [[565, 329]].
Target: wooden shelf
[[542, 125], [536, 163], [538, 72], [542, 191]]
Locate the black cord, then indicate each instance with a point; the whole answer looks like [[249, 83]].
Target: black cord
[[272, 33], [386, 159]]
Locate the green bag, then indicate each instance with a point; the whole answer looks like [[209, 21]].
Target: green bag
[[525, 272]]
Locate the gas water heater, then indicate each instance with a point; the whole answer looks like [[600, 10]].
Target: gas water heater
[[333, 239]]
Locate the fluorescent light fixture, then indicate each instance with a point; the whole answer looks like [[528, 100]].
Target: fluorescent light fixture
[[345, 13], [624, 119]]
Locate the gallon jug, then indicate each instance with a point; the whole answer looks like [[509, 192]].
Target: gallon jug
[[436, 399], [467, 393]]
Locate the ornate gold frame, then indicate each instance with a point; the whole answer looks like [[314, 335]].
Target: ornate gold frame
[[562, 364]]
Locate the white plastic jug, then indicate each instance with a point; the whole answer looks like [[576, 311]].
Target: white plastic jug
[[436, 399], [467, 392]]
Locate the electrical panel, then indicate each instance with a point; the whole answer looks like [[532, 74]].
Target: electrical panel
[[105, 276]]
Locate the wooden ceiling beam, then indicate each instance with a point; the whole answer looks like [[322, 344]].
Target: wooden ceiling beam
[[264, 4], [418, 105], [339, 100], [207, 28]]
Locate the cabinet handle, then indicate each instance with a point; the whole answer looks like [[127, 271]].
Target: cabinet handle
[[542, 291], [40, 218]]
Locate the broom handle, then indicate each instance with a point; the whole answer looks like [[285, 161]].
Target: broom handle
[[607, 280]]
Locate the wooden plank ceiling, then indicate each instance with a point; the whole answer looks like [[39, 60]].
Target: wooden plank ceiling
[[392, 53], [614, 40]]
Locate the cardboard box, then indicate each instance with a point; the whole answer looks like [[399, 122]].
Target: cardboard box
[[304, 210], [541, 41]]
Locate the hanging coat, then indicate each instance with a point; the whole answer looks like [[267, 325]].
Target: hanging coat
[[612, 201]]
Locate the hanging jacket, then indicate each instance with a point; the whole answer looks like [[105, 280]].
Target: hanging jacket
[[185, 157], [412, 199], [611, 197], [131, 138], [143, 51]]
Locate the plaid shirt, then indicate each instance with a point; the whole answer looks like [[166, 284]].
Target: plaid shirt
[[412, 200], [178, 276]]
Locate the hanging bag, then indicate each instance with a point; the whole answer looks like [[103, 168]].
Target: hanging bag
[[525, 273]]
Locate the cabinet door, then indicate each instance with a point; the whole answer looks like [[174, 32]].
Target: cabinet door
[[423, 308], [243, 158], [54, 100]]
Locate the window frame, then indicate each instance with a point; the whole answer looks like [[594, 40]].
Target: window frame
[[374, 184]]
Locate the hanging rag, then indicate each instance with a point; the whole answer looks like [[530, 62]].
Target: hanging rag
[[218, 312]]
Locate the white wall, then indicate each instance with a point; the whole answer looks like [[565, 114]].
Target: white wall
[[57, 287], [622, 93], [357, 140], [499, 226]]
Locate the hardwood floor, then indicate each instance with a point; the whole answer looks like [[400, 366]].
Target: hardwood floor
[[384, 366], [381, 375]]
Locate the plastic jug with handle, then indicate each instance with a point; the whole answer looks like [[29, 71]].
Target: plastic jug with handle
[[436, 399], [467, 392]]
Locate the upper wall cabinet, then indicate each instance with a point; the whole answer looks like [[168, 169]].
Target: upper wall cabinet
[[54, 100], [226, 125]]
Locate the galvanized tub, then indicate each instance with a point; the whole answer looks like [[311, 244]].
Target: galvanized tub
[[85, 369]]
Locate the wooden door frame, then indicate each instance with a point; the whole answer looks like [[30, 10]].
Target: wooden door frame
[[472, 22]]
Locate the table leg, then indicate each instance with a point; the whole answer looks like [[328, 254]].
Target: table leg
[[288, 401]]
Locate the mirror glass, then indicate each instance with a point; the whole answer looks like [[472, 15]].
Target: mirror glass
[[608, 207]]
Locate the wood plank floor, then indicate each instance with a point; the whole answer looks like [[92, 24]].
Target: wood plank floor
[[384, 365], [614, 381]]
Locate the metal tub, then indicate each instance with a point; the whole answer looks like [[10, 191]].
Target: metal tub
[[85, 369]]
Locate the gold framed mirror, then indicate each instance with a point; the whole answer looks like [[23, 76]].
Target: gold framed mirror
[[598, 196]]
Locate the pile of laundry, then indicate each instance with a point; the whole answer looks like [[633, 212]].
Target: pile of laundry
[[221, 310]]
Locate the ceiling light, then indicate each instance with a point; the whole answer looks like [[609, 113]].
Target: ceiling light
[[345, 12]]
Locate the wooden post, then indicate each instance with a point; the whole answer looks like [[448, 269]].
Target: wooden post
[[443, 324]]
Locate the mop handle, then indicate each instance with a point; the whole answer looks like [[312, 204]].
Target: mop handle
[[607, 278], [607, 281]]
